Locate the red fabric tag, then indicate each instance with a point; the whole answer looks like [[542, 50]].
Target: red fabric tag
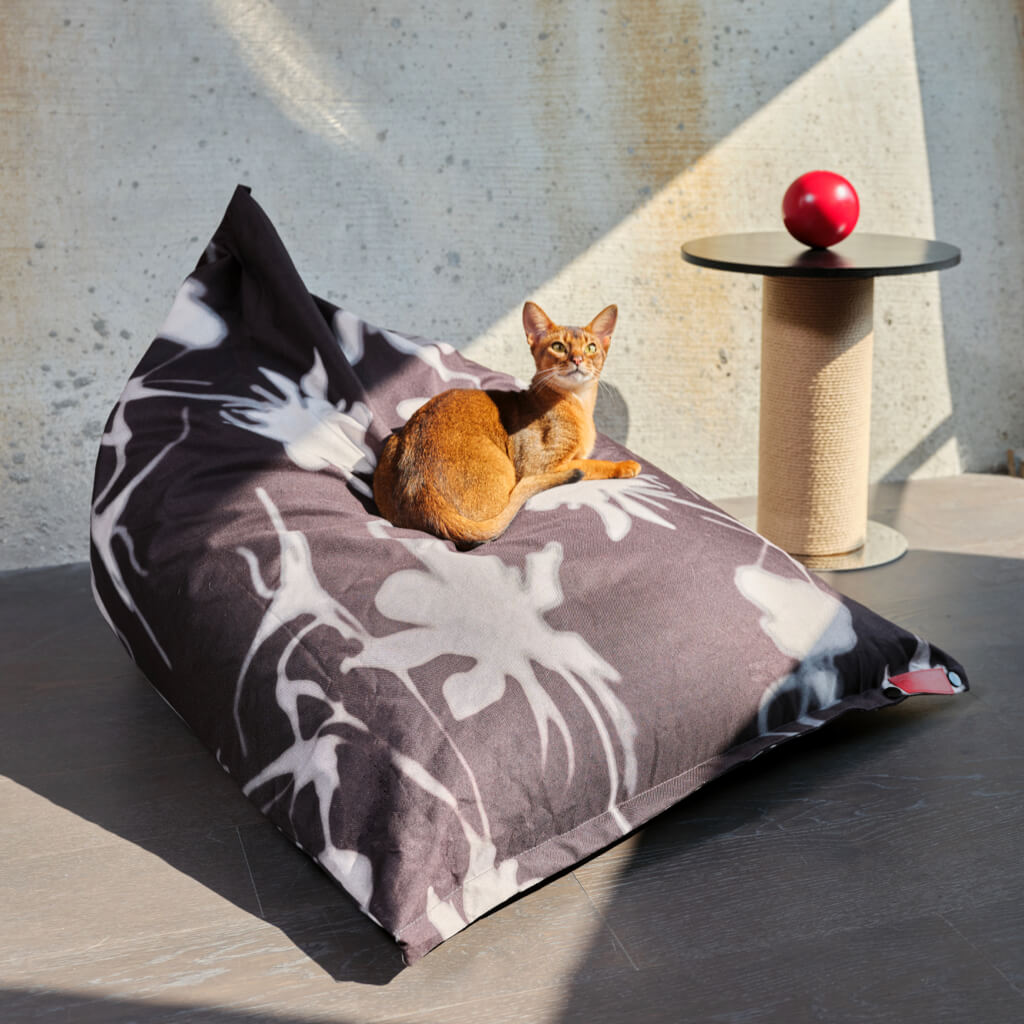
[[925, 680]]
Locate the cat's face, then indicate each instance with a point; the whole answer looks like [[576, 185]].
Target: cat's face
[[568, 358]]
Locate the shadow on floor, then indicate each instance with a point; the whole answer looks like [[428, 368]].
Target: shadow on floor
[[867, 871], [19, 1005], [84, 730]]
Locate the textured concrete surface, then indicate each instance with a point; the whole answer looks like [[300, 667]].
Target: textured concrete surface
[[432, 167]]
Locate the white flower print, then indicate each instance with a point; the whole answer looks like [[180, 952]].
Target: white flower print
[[108, 506], [191, 322], [488, 882], [808, 625], [313, 761], [106, 514], [298, 594], [408, 406], [106, 519], [617, 502], [429, 353], [307, 761], [315, 434], [349, 330], [452, 608]]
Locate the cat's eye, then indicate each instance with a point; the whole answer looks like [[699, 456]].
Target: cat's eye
[[558, 348], [591, 349]]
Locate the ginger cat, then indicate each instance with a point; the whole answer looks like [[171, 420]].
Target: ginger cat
[[467, 461]]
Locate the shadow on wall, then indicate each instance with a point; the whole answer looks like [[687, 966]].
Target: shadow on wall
[[611, 415], [944, 432], [557, 133]]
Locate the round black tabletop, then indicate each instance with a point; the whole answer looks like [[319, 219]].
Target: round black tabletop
[[779, 254]]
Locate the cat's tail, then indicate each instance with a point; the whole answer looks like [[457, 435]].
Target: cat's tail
[[467, 533]]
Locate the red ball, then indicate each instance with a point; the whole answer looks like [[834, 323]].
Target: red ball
[[820, 208]]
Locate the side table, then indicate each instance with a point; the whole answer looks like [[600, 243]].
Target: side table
[[816, 343]]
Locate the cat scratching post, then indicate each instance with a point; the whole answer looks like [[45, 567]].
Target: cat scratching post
[[816, 341], [816, 345]]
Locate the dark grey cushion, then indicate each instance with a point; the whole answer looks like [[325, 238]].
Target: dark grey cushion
[[439, 729]]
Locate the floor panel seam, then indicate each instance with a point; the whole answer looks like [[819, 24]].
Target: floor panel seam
[[606, 924], [252, 877], [982, 953]]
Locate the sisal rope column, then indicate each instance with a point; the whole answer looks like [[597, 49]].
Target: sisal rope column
[[816, 341]]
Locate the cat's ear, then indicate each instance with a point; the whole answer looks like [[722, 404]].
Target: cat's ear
[[603, 324], [536, 322]]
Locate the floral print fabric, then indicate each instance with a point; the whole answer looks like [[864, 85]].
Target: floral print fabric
[[439, 729]]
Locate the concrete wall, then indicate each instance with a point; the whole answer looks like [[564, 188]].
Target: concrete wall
[[431, 166]]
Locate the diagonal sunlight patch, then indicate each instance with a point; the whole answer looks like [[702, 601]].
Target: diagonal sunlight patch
[[832, 112], [296, 75]]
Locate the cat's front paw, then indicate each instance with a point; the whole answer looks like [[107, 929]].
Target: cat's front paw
[[627, 469]]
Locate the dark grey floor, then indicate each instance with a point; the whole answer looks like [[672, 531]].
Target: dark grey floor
[[871, 872]]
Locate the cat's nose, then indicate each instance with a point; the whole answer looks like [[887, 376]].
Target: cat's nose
[[578, 360]]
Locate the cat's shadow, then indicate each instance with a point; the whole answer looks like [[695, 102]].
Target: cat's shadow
[[611, 413]]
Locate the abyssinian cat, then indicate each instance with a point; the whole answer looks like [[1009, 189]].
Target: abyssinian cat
[[466, 461]]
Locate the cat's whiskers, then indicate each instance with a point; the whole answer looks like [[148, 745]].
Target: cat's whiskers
[[587, 374], [542, 379]]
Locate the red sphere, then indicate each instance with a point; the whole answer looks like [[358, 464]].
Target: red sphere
[[820, 208]]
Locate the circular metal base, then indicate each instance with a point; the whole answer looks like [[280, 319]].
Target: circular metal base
[[882, 544]]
